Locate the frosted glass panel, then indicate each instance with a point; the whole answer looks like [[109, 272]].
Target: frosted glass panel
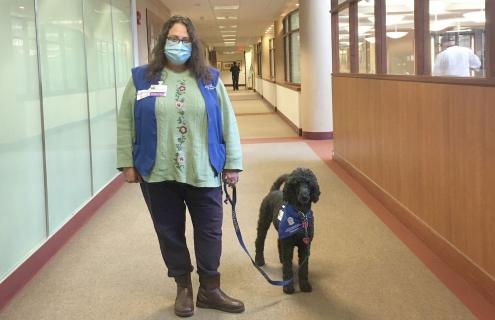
[[101, 85], [22, 214], [65, 108], [122, 39]]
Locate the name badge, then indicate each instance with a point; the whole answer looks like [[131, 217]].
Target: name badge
[[141, 94], [158, 90]]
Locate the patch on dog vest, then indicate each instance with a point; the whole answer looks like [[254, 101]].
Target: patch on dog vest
[[291, 222]]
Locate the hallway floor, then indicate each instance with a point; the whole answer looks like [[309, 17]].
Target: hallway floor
[[112, 268]]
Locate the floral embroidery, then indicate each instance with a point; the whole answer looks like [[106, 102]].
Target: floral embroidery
[[180, 157], [183, 130]]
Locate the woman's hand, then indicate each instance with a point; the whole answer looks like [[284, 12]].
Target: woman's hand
[[131, 175], [231, 177]]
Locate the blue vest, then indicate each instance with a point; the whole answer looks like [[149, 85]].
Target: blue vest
[[291, 221], [144, 149]]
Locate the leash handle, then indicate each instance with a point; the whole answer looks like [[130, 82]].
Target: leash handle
[[233, 202]]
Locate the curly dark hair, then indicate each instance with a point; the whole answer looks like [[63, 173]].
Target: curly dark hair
[[196, 63], [298, 176]]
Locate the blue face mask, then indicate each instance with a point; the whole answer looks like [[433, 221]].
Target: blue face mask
[[177, 52]]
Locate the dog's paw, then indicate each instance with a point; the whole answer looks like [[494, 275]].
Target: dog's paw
[[289, 289], [305, 286], [259, 260]]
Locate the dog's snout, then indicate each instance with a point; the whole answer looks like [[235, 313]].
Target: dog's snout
[[304, 195]]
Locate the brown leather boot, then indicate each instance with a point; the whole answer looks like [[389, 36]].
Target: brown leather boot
[[184, 305], [210, 296]]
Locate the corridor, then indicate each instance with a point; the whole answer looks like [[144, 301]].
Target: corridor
[[112, 268]]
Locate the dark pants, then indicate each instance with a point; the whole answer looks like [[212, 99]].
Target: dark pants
[[167, 203], [235, 82]]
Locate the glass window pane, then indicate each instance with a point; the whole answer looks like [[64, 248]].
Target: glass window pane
[[63, 76], [122, 43], [457, 38], [400, 37], [366, 37], [294, 21], [344, 49], [101, 86], [294, 68], [22, 202], [287, 59]]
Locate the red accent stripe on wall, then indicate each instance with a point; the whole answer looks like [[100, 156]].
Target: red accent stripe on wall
[[26, 271]]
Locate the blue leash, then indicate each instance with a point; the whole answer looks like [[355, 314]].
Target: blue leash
[[233, 202]]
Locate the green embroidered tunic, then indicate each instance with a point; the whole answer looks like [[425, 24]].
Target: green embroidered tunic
[[182, 133]]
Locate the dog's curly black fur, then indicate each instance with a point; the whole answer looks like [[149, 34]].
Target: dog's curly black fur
[[301, 189]]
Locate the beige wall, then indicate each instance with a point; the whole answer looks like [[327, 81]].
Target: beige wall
[[158, 9]]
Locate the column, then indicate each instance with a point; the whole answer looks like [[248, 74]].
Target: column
[[316, 67]]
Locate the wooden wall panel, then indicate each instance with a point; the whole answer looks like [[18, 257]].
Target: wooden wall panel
[[430, 148]]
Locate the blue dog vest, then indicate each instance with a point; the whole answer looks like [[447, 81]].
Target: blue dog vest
[[144, 149], [291, 221]]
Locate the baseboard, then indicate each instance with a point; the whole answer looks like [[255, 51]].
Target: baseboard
[[27, 270], [483, 282], [317, 135]]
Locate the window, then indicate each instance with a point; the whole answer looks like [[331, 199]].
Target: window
[[292, 47], [344, 42], [259, 59], [447, 38], [400, 36], [272, 59], [366, 37], [457, 38]]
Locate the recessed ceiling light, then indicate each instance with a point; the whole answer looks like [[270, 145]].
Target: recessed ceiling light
[[228, 31], [221, 18], [232, 18], [226, 7]]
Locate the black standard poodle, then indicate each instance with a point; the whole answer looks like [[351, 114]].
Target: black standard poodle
[[290, 212]]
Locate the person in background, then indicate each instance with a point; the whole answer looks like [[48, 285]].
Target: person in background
[[234, 69], [177, 136], [455, 61]]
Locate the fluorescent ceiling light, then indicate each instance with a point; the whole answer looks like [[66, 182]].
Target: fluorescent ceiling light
[[221, 18], [228, 31], [232, 18], [226, 7], [476, 16], [396, 34]]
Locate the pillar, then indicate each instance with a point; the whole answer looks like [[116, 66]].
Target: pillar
[[316, 69]]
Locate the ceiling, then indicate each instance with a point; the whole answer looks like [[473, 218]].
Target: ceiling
[[240, 23]]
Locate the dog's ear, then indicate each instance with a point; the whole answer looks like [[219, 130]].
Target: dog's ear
[[315, 195]]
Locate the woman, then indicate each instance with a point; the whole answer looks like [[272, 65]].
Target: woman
[[177, 136]]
